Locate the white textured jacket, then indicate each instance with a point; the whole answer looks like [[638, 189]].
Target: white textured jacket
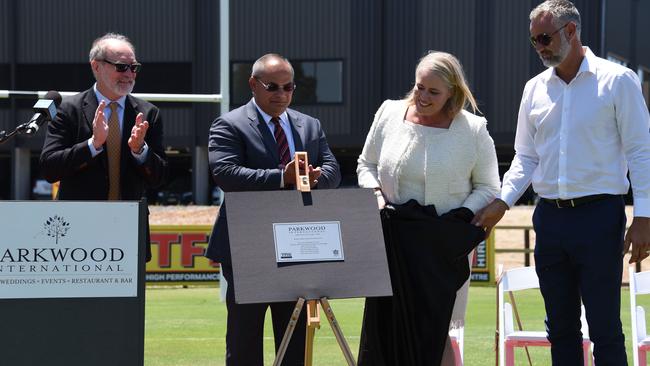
[[463, 171]]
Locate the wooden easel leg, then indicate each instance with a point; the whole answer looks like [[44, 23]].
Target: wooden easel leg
[[313, 323], [347, 353], [289, 332]]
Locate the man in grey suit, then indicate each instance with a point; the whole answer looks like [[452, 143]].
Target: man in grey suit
[[249, 150]]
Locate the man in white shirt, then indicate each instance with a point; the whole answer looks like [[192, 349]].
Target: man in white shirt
[[582, 123]]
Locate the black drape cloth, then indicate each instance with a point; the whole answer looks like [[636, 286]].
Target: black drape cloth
[[427, 260]]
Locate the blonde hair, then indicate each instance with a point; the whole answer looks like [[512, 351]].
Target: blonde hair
[[448, 68]]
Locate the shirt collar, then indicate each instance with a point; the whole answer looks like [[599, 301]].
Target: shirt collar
[[284, 118], [121, 101], [588, 64]]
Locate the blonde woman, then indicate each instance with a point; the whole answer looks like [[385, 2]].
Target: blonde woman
[[433, 165]]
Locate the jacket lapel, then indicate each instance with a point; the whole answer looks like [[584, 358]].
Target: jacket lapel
[[297, 130], [261, 129], [89, 108]]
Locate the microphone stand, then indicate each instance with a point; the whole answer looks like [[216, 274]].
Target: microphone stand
[[19, 130]]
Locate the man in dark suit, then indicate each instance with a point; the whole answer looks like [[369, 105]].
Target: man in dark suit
[[249, 150], [105, 144]]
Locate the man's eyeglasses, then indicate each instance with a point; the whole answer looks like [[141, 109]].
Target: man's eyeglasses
[[121, 67], [273, 87], [544, 39]]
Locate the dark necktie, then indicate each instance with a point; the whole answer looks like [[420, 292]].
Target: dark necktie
[[281, 140], [114, 145]]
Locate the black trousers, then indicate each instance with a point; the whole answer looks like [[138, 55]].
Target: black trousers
[[245, 330], [578, 255]]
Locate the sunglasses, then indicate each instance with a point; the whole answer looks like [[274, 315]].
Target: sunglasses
[[273, 87], [544, 39], [121, 67]]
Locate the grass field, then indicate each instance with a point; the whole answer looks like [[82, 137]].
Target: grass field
[[186, 327]]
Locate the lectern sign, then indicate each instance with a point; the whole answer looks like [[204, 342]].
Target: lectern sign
[[308, 241], [68, 249]]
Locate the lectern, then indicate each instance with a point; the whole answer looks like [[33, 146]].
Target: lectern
[[72, 283]]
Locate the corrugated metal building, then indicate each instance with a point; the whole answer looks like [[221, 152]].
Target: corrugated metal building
[[349, 56]]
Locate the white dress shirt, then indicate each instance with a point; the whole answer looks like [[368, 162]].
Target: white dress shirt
[[578, 139]]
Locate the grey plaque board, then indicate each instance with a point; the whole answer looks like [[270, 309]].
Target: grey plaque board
[[259, 278]]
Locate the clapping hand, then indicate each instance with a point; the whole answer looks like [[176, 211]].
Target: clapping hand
[[138, 132], [100, 127]]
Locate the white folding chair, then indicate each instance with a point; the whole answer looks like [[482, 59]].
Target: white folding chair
[[456, 337], [522, 279], [639, 285]]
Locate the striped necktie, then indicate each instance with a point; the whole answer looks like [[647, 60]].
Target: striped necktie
[[281, 140], [114, 146]]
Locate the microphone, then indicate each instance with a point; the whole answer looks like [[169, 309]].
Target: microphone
[[44, 110]]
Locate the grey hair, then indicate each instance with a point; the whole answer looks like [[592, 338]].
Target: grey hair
[[563, 12], [260, 64], [98, 49]]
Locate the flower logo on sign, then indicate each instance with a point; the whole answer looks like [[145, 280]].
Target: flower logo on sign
[[56, 227]]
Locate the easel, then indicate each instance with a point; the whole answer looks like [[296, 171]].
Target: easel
[[313, 310]]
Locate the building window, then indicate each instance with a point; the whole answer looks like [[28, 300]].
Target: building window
[[644, 76], [317, 82], [158, 77]]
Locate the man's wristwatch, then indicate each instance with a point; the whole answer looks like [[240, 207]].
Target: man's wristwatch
[[140, 151]]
